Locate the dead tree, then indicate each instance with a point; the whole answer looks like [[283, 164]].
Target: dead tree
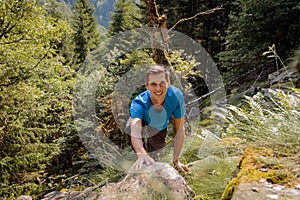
[[158, 34]]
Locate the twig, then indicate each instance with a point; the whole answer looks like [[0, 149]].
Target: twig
[[258, 77], [202, 97], [196, 15], [131, 170]]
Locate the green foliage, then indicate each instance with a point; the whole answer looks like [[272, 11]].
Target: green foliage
[[86, 32], [35, 95], [65, 48], [210, 176], [209, 30], [255, 25], [39, 51], [127, 16], [267, 117], [264, 130]]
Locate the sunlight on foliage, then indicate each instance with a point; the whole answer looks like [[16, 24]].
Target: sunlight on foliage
[[267, 116]]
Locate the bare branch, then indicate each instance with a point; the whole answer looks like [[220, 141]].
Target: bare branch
[[196, 15], [13, 41]]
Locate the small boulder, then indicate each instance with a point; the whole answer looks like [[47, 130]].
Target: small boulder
[[156, 181]]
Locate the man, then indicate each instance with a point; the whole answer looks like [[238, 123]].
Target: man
[[154, 108]]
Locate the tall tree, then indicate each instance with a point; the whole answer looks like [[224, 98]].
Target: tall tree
[[207, 29], [87, 35], [35, 98], [127, 16], [60, 11], [254, 26]]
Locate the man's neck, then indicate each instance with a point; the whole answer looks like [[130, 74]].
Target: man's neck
[[157, 102], [158, 106]]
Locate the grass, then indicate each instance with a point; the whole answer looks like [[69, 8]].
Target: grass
[[260, 133], [270, 124]]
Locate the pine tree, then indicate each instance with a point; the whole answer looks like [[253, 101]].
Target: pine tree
[[35, 99], [87, 35], [60, 11], [254, 26], [209, 30], [127, 16]]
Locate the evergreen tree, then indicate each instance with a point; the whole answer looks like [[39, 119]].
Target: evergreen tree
[[127, 16], [209, 30], [35, 98], [60, 11], [87, 35], [254, 26]]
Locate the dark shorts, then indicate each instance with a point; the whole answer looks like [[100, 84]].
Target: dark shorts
[[155, 140]]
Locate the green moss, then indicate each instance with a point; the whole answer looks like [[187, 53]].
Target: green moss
[[254, 160], [13, 191], [201, 197], [228, 192], [279, 177]]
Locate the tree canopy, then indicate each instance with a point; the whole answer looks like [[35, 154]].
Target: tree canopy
[[44, 44], [35, 92]]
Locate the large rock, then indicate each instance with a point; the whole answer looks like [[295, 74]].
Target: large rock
[[263, 190], [156, 181], [266, 172]]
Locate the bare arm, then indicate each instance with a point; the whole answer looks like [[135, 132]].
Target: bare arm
[[178, 144], [179, 137], [137, 143], [136, 137]]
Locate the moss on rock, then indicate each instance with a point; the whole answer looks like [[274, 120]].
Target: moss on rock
[[262, 162]]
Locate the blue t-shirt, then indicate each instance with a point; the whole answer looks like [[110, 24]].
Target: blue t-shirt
[[141, 107]]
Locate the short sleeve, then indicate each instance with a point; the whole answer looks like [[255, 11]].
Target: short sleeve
[[137, 109], [179, 109]]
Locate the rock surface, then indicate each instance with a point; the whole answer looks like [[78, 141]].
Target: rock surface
[[157, 181], [263, 190]]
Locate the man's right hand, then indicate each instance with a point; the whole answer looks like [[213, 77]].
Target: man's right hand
[[142, 158]]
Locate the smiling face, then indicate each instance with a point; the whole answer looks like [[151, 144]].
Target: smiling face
[[157, 85]]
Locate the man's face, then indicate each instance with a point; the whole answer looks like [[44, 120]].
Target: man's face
[[157, 85]]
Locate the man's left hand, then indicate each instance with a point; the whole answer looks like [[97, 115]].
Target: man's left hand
[[182, 167]]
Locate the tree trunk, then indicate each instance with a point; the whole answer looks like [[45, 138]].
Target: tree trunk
[[158, 34], [159, 42]]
